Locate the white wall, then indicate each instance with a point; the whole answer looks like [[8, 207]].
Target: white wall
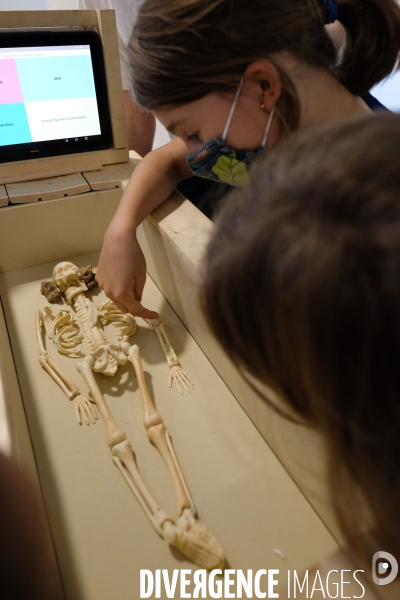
[[60, 4], [387, 92], [23, 4], [37, 4]]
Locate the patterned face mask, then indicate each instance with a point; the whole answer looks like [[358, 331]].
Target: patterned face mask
[[219, 162]]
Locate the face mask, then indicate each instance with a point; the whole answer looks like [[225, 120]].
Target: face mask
[[219, 162]]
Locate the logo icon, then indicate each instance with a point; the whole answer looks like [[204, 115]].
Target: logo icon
[[384, 568]]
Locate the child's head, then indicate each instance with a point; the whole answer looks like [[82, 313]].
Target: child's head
[[302, 288], [183, 50]]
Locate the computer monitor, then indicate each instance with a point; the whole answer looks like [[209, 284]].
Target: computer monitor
[[53, 94]]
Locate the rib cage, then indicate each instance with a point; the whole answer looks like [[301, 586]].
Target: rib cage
[[95, 336]]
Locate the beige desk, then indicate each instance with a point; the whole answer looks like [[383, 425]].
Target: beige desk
[[244, 495]]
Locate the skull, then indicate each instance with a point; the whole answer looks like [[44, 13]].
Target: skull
[[66, 274]]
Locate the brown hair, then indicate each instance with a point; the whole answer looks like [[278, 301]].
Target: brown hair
[[302, 288], [181, 50]]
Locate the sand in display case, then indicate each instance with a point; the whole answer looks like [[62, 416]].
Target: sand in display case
[[102, 537]]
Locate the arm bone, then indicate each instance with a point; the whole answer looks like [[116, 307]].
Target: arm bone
[[114, 433], [176, 372], [68, 387], [83, 405]]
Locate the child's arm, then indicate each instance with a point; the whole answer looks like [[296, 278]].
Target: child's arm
[[122, 267]]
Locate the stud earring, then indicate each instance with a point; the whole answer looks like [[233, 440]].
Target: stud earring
[[262, 106]]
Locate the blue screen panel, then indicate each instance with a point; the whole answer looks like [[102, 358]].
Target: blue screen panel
[[56, 78], [14, 127]]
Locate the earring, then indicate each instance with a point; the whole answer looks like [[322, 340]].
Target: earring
[[262, 106]]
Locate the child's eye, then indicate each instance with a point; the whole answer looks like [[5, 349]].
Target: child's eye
[[193, 137]]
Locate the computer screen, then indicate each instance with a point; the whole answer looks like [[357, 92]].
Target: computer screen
[[53, 97]]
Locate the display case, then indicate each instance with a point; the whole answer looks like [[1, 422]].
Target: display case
[[239, 459]]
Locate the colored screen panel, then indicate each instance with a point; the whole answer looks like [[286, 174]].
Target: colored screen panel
[[56, 119], [10, 89], [56, 77], [14, 127]]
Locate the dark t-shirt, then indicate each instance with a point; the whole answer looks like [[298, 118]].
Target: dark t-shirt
[[373, 103]]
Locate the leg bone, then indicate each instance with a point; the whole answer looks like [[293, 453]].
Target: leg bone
[[124, 459], [122, 452], [159, 436], [187, 535]]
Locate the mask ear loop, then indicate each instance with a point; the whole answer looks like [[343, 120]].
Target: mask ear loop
[[232, 110], [268, 127]]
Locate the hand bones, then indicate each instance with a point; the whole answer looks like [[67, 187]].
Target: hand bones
[[68, 277], [107, 357]]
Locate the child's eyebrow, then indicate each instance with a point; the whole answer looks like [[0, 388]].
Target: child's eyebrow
[[171, 127]]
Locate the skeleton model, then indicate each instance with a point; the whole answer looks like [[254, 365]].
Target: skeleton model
[[185, 533]]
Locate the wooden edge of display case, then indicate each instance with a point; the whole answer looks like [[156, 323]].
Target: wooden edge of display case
[[184, 227], [21, 19], [108, 32], [15, 439], [111, 176], [3, 196], [174, 238], [47, 189], [55, 166]]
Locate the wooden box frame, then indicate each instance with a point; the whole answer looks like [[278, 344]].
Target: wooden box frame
[[173, 238], [103, 22]]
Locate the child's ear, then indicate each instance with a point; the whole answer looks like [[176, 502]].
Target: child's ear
[[266, 77]]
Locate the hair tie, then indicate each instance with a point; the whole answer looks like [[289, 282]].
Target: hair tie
[[332, 11]]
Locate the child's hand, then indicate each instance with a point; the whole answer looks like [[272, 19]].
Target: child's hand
[[121, 273]]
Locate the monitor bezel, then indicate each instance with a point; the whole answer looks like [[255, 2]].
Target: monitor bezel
[[49, 148]]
